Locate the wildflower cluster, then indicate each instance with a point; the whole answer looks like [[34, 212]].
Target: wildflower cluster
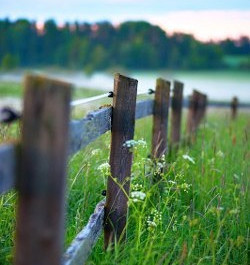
[[154, 220], [134, 145], [220, 154], [189, 158], [95, 152], [137, 196], [104, 168], [160, 165]]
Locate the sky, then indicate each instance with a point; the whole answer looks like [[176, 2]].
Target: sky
[[206, 20]]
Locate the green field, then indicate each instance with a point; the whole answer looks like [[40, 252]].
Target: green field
[[197, 214]]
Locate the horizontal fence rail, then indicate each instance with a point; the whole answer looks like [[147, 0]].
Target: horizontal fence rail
[[82, 133], [81, 247], [8, 167]]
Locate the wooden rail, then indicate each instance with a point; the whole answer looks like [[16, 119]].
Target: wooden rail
[[37, 166], [8, 167], [82, 133], [82, 245]]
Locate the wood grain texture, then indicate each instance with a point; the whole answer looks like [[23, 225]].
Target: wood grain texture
[[81, 247], [160, 118], [176, 112], [82, 133], [192, 113], [41, 183], [8, 165], [201, 108], [123, 121], [144, 108], [85, 131]]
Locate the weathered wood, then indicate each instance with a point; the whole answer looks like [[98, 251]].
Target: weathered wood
[[123, 121], [192, 113], [81, 247], [176, 112], [199, 111], [160, 118], [144, 108], [87, 130], [204, 106], [41, 184], [7, 167], [234, 106], [82, 133]]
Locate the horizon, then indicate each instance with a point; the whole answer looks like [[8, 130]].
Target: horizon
[[205, 21], [40, 27]]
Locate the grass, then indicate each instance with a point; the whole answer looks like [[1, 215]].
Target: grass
[[11, 89], [197, 214], [235, 61]]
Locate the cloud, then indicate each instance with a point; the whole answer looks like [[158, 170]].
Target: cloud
[[173, 16], [206, 25]]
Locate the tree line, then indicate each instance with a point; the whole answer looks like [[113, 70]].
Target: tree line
[[100, 46]]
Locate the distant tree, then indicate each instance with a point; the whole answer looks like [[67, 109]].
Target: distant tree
[[98, 46], [9, 62]]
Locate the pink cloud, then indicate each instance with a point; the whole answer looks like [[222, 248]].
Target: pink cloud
[[206, 25]]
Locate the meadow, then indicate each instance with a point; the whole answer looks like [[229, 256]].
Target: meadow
[[198, 213]]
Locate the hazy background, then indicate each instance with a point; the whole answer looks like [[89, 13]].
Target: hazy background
[[205, 45]]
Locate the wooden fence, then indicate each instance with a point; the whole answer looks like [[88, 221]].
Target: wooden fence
[[36, 167]]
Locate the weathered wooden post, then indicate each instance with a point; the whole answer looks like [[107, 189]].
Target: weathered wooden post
[[176, 113], [41, 183], [192, 114], [204, 106], [200, 109], [160, 118], [123, 122], [234, 107]]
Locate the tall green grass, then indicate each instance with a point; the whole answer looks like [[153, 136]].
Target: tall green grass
[[198, 213]]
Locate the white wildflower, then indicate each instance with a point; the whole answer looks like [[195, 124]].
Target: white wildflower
[[185, 186], [137, 195], [137, 187], [220, 154], [104, 168], [234, 211], [142, 143], [189, 158], [133, 144], [236, 176], [153, 220], [151, 223], [129, 143], [172, 182], [95, 152]]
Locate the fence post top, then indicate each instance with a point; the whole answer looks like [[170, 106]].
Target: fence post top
[[162, 82], [42, 81], [178, 83], [119, 76]]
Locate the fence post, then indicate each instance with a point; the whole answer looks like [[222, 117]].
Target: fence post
[[200, 109], [160, 118], [41, 183], [192, 114], [176, 113], [204, 106], [234, 107], [123, 122]]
